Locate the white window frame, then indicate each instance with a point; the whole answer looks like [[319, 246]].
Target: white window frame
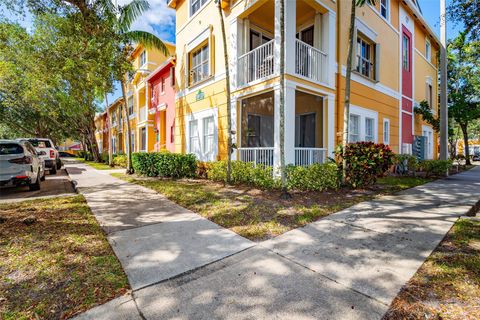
[[202, 154], [201, 65], [428, 132], [428, 49], [386, 133], [364, 113], [207, 135], [190, 6], [373, 129], [349, 129], [193, 136], [387, 9], [143, 58]]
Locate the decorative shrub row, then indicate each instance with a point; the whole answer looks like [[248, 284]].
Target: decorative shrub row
[[365, 162], [317, 177], [406, 164], [243, 173], [120, 160], [164, 164], [435, 167]]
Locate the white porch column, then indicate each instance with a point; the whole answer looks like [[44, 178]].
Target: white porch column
[[290, 32], [289, 124], [330, 124], [236, 39], [146, 116], [276, 127], [233, 108], [317, 32], [329, 44]]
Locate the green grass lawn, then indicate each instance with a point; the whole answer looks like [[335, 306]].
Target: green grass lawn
[[447, 285], [58, 266], [259, 215], [96, 165]]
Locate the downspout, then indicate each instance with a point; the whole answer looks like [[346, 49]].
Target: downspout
[[339, 74]]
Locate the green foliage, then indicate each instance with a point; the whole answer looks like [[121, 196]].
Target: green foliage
[[425, 111], [365, 162], [243, 173], [435, 167], [164, 164], [406, 164], [120, 160], [317, 177]]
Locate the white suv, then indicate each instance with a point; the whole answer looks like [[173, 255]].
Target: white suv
[[20, 165], [51, 156]]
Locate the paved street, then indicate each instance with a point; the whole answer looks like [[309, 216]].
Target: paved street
[[54, 186], [349, 265]]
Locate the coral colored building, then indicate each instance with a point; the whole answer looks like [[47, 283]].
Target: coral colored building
[[161, 85]]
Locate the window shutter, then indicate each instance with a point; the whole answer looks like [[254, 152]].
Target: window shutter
[[377, 62], [172, 76]]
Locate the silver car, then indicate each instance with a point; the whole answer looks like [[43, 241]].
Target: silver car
[[20, 165]]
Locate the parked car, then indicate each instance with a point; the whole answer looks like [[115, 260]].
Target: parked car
[[64, 154], [20, 165], [51, 156], [476, 157]]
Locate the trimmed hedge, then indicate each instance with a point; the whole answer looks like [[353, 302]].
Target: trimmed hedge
[[120, 160], [164, 164], [317, 177], [435, 167], [243, 173], [365, 162]]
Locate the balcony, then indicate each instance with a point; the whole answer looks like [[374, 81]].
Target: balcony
[[256, 65], [310, 62], [308, 156]]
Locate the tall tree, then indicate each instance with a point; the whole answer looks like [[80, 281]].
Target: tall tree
[[348, 77], [122, 18], [228, 92], [464, 84], [468, 13]]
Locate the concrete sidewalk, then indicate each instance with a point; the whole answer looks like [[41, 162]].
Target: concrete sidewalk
[[349, 265]]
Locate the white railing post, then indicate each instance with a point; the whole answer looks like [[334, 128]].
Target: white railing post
[[256, 64]]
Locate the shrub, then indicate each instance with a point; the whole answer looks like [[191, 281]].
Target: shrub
[[317, 177], [104, 157], [85, 155], [202, 169], [243, 173], [164, 164], [365, 162], [120, 160], [406, 163], [435, 167]]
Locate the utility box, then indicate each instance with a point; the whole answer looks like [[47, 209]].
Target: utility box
[[419, 148]]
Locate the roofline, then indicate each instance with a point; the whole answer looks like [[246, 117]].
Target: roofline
[[167, 62], [419, 16]]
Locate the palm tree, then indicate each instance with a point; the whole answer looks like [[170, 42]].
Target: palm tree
[[122, 18], [110, 150], [285, 194], [348, 76], [229, 102]]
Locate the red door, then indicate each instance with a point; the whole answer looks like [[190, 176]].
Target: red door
[[407, 106]]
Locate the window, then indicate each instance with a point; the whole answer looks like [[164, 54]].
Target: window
[[143, 137], [172, 76], [130, 106], [114, 118], [386, 131], [428, 133], [428, 50], [354, 128], [406, 52], [384, 8], [143, 58], [429, 95], [200, 64], [369, 129], [208, 135], [172, 133], [196, 5], [114, 144], [305, 130], [194, 139], [365, 57], [162, 85]]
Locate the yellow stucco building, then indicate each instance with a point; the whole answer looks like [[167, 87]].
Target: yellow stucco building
[[395, 67]]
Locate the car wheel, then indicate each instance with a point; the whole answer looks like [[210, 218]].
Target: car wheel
[[53, 170], [35, 186], [59, 164], [42, 178]]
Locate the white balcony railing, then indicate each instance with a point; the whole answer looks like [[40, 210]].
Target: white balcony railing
[[308, 156], [262, 156], [256, 64], [310, 62]]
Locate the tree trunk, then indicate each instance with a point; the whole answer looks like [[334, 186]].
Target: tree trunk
[[464, 128], [129, 134], [110, 149], [285, 194], [229, 102], [348, 76]]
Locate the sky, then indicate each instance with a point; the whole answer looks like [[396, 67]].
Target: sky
[[160, 20]]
